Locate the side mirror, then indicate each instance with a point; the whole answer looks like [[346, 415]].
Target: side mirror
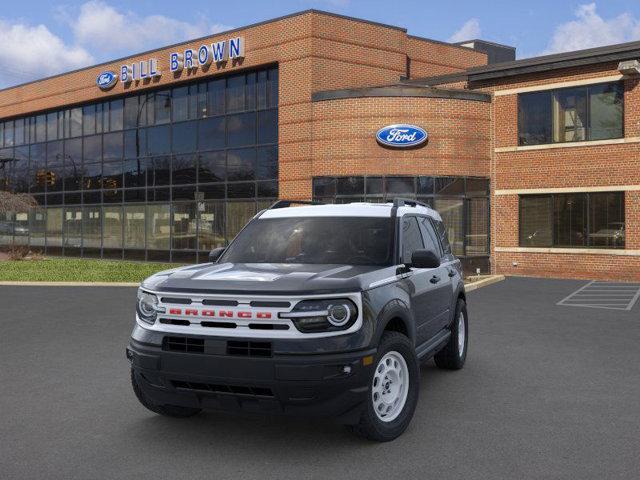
[[425, 259], [215, 254]]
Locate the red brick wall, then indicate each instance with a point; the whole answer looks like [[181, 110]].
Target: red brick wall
[[344, 137], [429, 58], [561, 265]]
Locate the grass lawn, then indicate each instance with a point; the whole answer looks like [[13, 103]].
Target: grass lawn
[[78, 270]]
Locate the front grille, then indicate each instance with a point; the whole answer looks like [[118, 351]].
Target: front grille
[[249, 349], [229, 389], [220, 303], [256, 303], [177, 301], [183, 344]]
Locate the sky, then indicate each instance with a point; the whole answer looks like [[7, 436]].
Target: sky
[[39, 38]]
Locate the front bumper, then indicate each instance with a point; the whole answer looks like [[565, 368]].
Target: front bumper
[[328, 385]]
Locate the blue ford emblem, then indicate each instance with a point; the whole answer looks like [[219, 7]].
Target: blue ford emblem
[[401, 136], [106, 80]]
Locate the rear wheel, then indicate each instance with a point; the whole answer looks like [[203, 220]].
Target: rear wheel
[[393, 391], [454, 354], [166, 410]]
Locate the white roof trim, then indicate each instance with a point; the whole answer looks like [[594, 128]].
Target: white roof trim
[[380, 210]]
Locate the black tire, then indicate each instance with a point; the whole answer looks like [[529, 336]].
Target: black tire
[[371, 426], [450, 357], [166, 410]]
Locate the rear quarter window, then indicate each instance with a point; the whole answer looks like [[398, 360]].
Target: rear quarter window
[[441, 231]]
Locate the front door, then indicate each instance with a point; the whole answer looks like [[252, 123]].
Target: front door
[[424, 289]]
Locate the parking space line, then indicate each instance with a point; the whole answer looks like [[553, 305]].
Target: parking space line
[[613, 296]]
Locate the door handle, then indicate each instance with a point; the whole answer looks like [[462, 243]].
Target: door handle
[[452, 273], [435, 279]]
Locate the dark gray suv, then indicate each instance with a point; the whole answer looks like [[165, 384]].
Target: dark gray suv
[[312, 309]]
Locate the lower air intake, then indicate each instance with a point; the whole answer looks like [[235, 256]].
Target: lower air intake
[[228, 389]]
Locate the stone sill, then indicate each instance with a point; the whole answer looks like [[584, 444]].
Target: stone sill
[[570, 251]]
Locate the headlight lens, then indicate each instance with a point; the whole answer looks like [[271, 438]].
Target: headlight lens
[[147, 306], [324, 315]]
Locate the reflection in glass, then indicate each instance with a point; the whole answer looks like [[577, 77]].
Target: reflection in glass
[[184, 226], [211, 226], [452, 213], [241, 164], [238, 214], [92, 227], [477, 232], [211, 133], [134, 226], [37, 226], [112, 236], [241, 129], [158, 227], [73, 227]]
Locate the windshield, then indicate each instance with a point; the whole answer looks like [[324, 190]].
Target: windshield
[[319, 240]]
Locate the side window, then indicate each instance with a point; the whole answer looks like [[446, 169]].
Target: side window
[[429, 236], [442, 235], [411, 238]]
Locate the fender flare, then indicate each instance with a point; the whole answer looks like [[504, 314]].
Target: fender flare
[[395, 309]]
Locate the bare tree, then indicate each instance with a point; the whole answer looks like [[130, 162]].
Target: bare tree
[[16, 202]]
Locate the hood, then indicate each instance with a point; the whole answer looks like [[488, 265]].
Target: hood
[[265, 278]]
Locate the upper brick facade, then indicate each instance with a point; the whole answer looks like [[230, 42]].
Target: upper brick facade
[[315, 51]]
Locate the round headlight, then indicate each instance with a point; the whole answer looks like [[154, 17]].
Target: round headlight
[[147, 306], [338, 314]]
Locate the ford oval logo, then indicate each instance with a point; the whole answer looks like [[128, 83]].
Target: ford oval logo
[[401, 136], [106, 80]]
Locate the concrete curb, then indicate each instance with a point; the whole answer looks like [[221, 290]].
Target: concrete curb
[[484, 282], [70, 284]]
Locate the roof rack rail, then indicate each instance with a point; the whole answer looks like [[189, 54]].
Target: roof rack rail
[[400, 202], [288, 203]]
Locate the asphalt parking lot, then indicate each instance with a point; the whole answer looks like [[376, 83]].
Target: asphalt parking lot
[[547, 392]]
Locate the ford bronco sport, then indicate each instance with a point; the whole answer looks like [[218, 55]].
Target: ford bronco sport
[[312, 309]]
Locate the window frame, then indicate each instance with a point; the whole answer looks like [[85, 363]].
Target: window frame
[[552, 93], [402, 234], [554, 196]]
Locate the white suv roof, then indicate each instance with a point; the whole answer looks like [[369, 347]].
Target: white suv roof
[[356, 209]]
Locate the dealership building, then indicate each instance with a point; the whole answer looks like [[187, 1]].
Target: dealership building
[[533, 164]]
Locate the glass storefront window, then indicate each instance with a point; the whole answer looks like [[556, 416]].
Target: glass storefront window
[[72, 232], [98, 167], [37, 226], [576, 114], [593, 220], [570, 219], [462, 202], [452, 213], [238, 214], [477, 231], [210, 225], [184, 226], [92, 227], [6, 228], [158, 227], [54, 227], [112, 227], [134, 226]]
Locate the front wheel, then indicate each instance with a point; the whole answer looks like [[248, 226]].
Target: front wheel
[[454, 354], [393, 391]]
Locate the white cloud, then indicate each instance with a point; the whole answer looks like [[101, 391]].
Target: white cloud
[[97, 32], [104, 29], [28, 52], [469, 31], [591, 30]]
